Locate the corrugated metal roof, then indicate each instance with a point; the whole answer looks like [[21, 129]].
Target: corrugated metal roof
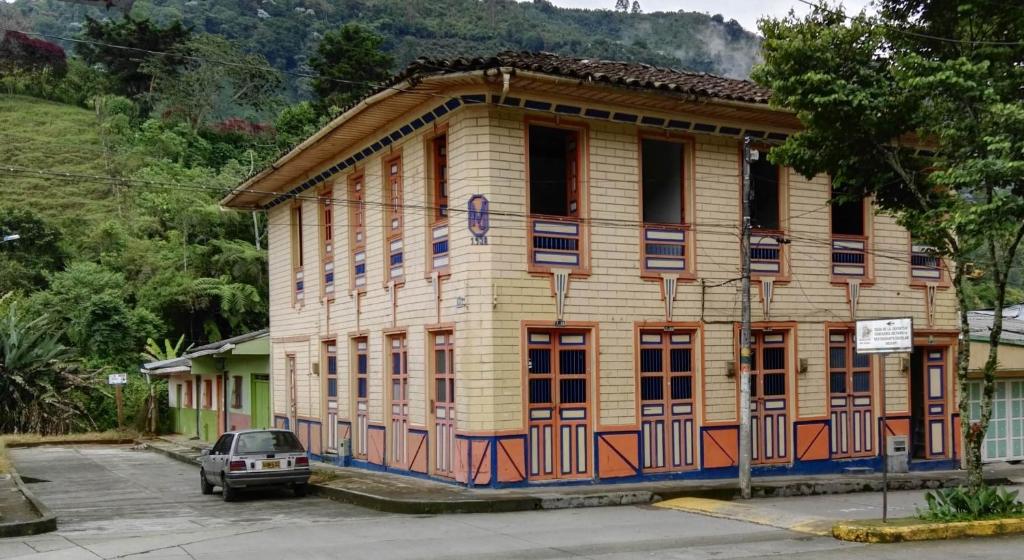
[[981, 327], [176, 365]]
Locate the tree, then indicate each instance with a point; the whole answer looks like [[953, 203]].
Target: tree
[[936, 74], [42, 383], [35, 253], [215, 79], [123, 46], [348, 62], [21, 52], [621, 5], [636, 8]]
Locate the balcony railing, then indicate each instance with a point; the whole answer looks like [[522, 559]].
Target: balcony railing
[[849, 255], [664, 248], [765, 253], [300, 285], [396, 259], [925, 266], [555, 241], [439, 247], [359, 269], [329, 279]]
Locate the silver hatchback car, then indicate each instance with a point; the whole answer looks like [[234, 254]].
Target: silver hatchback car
[[254, 458]]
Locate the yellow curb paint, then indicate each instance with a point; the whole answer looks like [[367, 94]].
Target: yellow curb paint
[[750, 513], [872, 533]]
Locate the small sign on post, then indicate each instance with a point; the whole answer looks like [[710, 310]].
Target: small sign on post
[[884, 337], [117, 380]]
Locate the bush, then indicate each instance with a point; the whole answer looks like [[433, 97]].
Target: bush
[[963, 504]]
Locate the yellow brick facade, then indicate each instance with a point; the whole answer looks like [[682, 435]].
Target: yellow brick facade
[[490, 294]]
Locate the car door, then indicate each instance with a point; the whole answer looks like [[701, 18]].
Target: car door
[[218, 457]]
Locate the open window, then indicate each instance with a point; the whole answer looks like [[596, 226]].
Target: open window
[[298, 280], [766, 217], [664, 182], [555, 198], [438, 151], [327, 243], [849, 237]]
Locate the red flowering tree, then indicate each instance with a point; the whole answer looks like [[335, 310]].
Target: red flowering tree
[[18, 51]]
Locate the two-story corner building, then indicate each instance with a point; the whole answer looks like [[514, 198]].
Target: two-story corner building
[[524, 268]]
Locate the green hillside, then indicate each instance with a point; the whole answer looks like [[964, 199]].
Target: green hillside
[[286, 31], [39, 134]]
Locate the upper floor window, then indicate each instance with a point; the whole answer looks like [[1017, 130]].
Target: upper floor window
[[438, 259], [555, 197], [327, 242], [765, 195], [357, 231], [766, 217], [393, 218], [298, 281], [664, 182], [849, 238]]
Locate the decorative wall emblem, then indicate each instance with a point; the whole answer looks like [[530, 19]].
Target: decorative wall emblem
[[668, 292], [767, 293], [560, 284], [479, 218], [853, 296]]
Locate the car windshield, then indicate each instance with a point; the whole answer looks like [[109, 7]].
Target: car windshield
[[268, 442]]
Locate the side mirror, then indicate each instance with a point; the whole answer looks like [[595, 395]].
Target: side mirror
[[205, 451]]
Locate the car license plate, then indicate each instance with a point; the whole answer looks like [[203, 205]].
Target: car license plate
[[271, 464]]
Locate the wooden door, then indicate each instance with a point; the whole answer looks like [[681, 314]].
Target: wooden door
[[557, 389], [850, 402], [444, 403], [666, 401], [399, 387], [769, 400]]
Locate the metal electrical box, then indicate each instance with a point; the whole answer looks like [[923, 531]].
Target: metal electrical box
[[344, 448], [898, 453]]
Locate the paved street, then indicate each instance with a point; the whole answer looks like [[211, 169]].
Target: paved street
[[115, 502]]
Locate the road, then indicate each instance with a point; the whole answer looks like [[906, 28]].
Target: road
[[115, 502]]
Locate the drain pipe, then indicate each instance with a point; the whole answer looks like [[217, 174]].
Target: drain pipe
[[506, 78]]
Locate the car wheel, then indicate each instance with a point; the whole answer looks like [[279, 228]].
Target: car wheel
[[229, 494], [300, 490], [204, 485]]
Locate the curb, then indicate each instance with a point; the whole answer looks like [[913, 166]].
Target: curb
[[46, 522], [98, 441], [860, 532], [177, 456], [391, 505]]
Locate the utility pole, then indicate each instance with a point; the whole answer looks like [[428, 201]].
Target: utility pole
[[745, 357]]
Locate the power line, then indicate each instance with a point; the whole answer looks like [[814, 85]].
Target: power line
[[918, 34]]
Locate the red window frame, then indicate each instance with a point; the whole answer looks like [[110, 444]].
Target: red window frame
[[394, 219], [357, 231], [327, 272]]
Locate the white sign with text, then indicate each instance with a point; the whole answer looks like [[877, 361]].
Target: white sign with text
[[885, 336], [117, 379]]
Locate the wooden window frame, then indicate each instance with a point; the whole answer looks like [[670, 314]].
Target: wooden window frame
[[189, 393], [688, 178], [666, 345], [208, 394], [784, 273], [582, 131], [328, 245], [438, 223], [868, 278], [298, 276], [394, 209], [943, 281], [236, 390], [357, 230], [360, 446]]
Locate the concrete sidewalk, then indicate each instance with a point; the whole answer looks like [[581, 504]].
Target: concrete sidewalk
[[405, 494]]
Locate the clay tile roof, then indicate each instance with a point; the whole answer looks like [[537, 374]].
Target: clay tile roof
[[629, 74]]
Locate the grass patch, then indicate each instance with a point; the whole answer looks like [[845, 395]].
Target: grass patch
[[40, 134], [321, 476], [36, 439]]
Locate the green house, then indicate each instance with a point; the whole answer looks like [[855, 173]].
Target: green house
[[218, 387]]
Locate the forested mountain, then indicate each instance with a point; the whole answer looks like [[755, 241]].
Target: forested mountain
[[287, 31]]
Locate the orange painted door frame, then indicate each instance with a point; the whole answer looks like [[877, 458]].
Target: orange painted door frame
[[666, 400], [557, 392]]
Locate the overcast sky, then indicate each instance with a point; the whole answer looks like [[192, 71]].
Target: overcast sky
[[744, 11]]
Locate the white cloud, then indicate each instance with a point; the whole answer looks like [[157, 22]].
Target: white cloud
[[746, 12]]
